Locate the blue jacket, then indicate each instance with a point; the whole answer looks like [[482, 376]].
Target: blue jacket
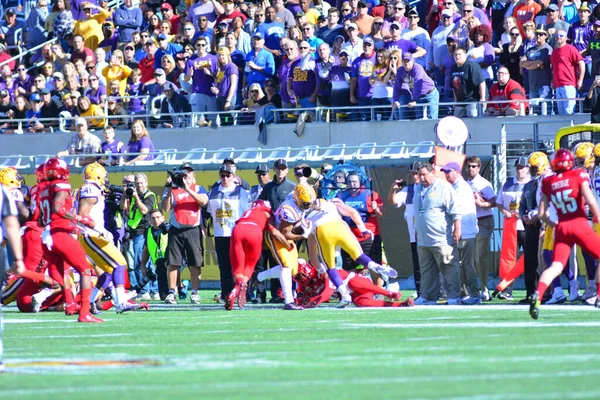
[[263, 59], [128, 21], [172, 49]]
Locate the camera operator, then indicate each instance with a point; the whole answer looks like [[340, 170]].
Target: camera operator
[[401, 194], [184, 199], [137, 200], [275, 193], [156, 249], [114, 219]]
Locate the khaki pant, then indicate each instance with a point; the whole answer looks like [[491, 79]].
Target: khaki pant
[[436, 259]]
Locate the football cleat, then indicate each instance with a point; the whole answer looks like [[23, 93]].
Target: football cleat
[[345, 301], [94, 309], [143, 306], [485, 295], [534, 307], [170, 299], [241, 298], [36, 306], [597, 303], [573, 290], [383, 270], [72, 309], [293, 306], [230, 301], [89, 318], [591, 301], [122, 308], [505, 296], [557, 298], [590, 292], [408, 303]]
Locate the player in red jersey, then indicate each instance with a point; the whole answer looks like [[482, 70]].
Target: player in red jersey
[[246, 247], [60, 247], [314, 289], [566, 189]]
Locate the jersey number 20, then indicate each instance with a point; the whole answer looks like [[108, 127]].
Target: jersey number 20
[[563, 202]]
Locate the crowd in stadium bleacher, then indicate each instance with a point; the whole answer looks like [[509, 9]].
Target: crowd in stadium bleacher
[[113, 62]]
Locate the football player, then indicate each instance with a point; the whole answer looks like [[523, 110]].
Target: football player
[[246, 247], [569, 190], [60, 248], [97, 241]]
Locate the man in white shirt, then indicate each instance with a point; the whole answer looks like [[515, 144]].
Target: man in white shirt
[[420, 37]]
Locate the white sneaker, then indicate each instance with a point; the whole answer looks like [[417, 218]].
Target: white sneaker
[[573, 290], [36, 306], [468, 300], [155, 297], [170, 299], [590, 292], [485, 295], [557, 298], [195, 299], [345, 302], [591, 301], [145, 297]]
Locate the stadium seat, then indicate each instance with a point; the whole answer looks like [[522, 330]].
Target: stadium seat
[[196, 156], [40, 159], [167, 156], [424, 149], [221, 154], [395, 150], [366, 151], [308, 153], [279, 152], [334, 152], [250, 155], [12, 161]]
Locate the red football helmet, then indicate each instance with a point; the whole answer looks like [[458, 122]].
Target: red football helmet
[[305, 272], [55, 168], [40, 176], [261, 203], [563, 161]]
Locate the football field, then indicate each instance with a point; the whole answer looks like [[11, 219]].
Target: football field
[[493, 351]]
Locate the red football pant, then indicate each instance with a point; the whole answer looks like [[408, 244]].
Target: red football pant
[[28, 289], [245, 248], [32, 248], [577, 231], [363, 291]]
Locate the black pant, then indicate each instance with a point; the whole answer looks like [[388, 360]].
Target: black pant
[[162, 278], [530, 254], [222, 250], [416, 266], [266, 261]]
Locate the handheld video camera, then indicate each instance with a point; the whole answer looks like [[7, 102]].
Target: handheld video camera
[[177, 177]]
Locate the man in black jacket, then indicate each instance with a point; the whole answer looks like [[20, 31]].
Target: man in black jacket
[[174, 103]]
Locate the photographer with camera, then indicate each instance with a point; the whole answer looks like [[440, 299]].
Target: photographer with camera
[[137, 201], [156, 249], [401, 194], [184, 199]]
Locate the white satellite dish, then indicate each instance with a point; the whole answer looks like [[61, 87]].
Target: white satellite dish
[[452, 132]]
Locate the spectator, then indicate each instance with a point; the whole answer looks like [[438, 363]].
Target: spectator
[[5, 106], [139, 142], [363, 20], [147, 63], [128, 19], [165, 48], [568, 70], [153, 26], [218, 39], [569, 11], [96, 93], [244, 43], [383, 82], [420, 37], [174, 103], [482, 51], [272, 31], [291, 50], [136, 92], [120, 118], [330, 31], [354, 45], [169, 16], [508, 200], [593, 50], [283, 15], [226, 204], [554, 24], [260, 63], [80, 52], [10, 26], [109, 41], [505, 89], [64, 23], [57, 7], [90, 27], [185, 236], [401, 194], [467, 243], [117, 70], [414, 86], [137, 207], [398, 17], [592, 101], [36, 21], [322, 67], [525, 11], [468, 84], [202, 9], [93, 111], [301, 84], [485, 200], [200, 70], [112, 148], [227, 81], [189, 32], [439, 44], [379, 10], [511, 55], [361, 90], [83, 142], [49, 109], [438, 223], [405, 46], [340, 82], [580, 33], [34, 114]]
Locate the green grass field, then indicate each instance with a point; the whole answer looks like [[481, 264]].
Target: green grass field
[[179, 352]]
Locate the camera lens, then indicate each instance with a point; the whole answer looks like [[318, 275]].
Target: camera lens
[[129, 191]]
